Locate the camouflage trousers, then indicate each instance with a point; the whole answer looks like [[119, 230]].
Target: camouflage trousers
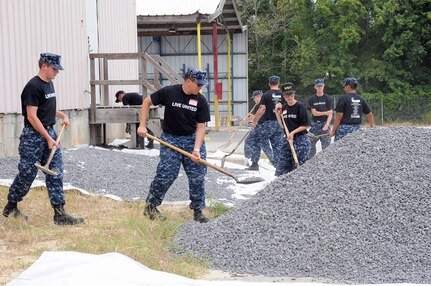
[[34, 148], [345, 129], [302, 146], [265, 146], [169, 167], [269, 130], [316, 129]]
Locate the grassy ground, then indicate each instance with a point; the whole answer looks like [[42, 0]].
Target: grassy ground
[[109, 226]]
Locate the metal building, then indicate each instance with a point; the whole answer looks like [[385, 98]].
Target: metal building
[[74, 29], [170, 30], [71, 29]]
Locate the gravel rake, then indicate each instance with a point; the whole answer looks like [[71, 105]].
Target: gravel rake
[[249, 180], [234, 149], [229, 141]]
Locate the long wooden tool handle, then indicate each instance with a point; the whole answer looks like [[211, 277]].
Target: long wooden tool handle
[[51, 155], [239, 143], [185, 153], [295, 158], [237, 129]]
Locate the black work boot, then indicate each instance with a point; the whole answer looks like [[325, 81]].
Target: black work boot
[[150, 145], [12, 208], [153, 213], [199, 216], [63, 218], [254, 167]]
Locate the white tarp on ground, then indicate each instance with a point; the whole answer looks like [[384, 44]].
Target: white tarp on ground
[[73, 268]]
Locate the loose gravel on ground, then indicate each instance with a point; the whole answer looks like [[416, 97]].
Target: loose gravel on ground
[[128, 176], [359, 212]]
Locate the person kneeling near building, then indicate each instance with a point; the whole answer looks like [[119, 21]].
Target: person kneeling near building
[[133, 98], [294, 114]]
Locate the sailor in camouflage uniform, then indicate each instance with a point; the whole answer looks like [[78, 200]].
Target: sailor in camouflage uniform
[[186, 112], [268, 128], [39, 108], [349, 110], [321, 106], [251, 138], [294, 114]]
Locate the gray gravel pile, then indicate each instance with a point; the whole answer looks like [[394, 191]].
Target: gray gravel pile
[[359, 212], [128, 176]]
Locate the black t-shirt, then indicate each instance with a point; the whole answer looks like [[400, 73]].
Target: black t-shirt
[[255, 110], [182, 111], [269, 100], [352, 105], [41, 94], [132, 98], [320, 103], [295, 116]]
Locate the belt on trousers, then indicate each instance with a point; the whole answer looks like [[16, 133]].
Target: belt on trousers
[[46, 127]]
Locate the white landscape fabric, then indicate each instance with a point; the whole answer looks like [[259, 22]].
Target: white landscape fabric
[[73, 268]]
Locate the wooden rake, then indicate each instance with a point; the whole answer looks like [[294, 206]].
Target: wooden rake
[[229, 141]]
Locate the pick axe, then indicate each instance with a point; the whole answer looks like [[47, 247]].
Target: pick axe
[[45, 168]]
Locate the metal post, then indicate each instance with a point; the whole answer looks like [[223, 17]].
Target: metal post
[[216, 110], [229, 91]]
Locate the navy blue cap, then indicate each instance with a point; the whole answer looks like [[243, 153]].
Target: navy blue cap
[[51, 59], [256, 93], [274, 78], [350, 81], [319, 82], [288, 87], [197, 75]]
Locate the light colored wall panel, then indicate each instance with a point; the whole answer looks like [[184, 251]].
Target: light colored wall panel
[[30, 27], [118, 34]]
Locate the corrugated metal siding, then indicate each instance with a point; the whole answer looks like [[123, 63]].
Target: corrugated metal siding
[[118, 34], [182, 50], [30, 27]]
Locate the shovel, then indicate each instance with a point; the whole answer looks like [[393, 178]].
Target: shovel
[[45, 168], [317, 137], [234, 149], [250, 180], [225, 145]]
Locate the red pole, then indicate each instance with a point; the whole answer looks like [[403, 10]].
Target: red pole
[[216, 95]]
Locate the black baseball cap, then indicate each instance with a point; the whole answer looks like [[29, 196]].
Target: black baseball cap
[[288, 88]]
